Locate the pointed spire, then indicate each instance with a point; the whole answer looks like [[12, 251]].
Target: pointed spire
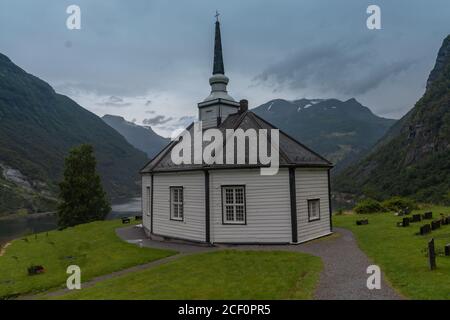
[[218, 58], [219, 80]]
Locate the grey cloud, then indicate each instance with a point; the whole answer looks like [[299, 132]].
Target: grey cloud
[[181, 122], [127, 49], [186, 120], [150, 111], [114, 101], [113, 87], [148, 102], [158, 120], [350, 69]]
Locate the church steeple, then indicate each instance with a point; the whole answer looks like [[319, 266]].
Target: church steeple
[[219, 104], [218, 57]]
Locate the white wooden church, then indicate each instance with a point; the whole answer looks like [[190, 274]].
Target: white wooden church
[[223, 203]]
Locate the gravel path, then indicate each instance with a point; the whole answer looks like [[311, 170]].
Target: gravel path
[[344, 275]]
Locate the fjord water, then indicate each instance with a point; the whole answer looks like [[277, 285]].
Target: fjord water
[[19, 225]]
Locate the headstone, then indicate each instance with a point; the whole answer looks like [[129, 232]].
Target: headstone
[[362, 222], [425, 229], [34, 270], [436, 224], [428, 215], [445, 220], [405, 222], [431, 255], [125, 220], [137, 218], [416, 218], [447, 249]]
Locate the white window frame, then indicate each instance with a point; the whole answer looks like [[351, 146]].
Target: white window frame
[[175, 206], [313, 214], [234, 205]]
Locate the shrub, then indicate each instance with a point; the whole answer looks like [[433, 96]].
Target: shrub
[[399, 204], [368, 206]]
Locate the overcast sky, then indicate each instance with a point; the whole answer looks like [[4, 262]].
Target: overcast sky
[[150, 61]]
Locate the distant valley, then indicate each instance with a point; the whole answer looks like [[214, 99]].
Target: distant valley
[[413, 158], [37, 128], [141, 137]]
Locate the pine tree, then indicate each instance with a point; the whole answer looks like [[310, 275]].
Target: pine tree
[[81, 194]]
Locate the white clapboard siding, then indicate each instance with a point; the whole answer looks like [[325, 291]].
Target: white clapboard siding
[[267, 204], [146, 221], [193, 226], [312, 184]]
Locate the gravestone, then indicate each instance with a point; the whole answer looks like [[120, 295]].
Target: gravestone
[[428, 215], [431, 254], [126, 220], [445, 220], [416, 218], [425, 229], [405, 222], [436, 224], [447, 249], [362, 222], [34, 270]]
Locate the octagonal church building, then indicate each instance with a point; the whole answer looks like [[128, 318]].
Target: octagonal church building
[[235, 203]]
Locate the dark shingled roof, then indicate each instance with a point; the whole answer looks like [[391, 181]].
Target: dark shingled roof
[[291, 152]]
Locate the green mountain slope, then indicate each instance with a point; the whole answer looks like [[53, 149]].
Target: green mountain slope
[[142, 138], [38, 127], [413, 159], [339, 130]]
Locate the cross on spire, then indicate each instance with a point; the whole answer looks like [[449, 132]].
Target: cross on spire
[[217, 15]]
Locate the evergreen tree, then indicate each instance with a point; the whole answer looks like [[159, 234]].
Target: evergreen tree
[[82, 197]]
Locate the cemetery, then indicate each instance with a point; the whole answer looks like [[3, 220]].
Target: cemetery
[[401, 244]]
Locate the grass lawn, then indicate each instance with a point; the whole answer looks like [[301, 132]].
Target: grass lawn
[[400, 253], [94, 247], [225, 274]]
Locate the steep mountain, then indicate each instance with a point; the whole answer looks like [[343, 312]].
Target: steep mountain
[[339, 130], [142, 138], [413, 159], [37, 129]]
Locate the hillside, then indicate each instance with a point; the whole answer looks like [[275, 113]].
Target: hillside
[[142, 138], [339, 130], [37, 129], [413, 159]]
